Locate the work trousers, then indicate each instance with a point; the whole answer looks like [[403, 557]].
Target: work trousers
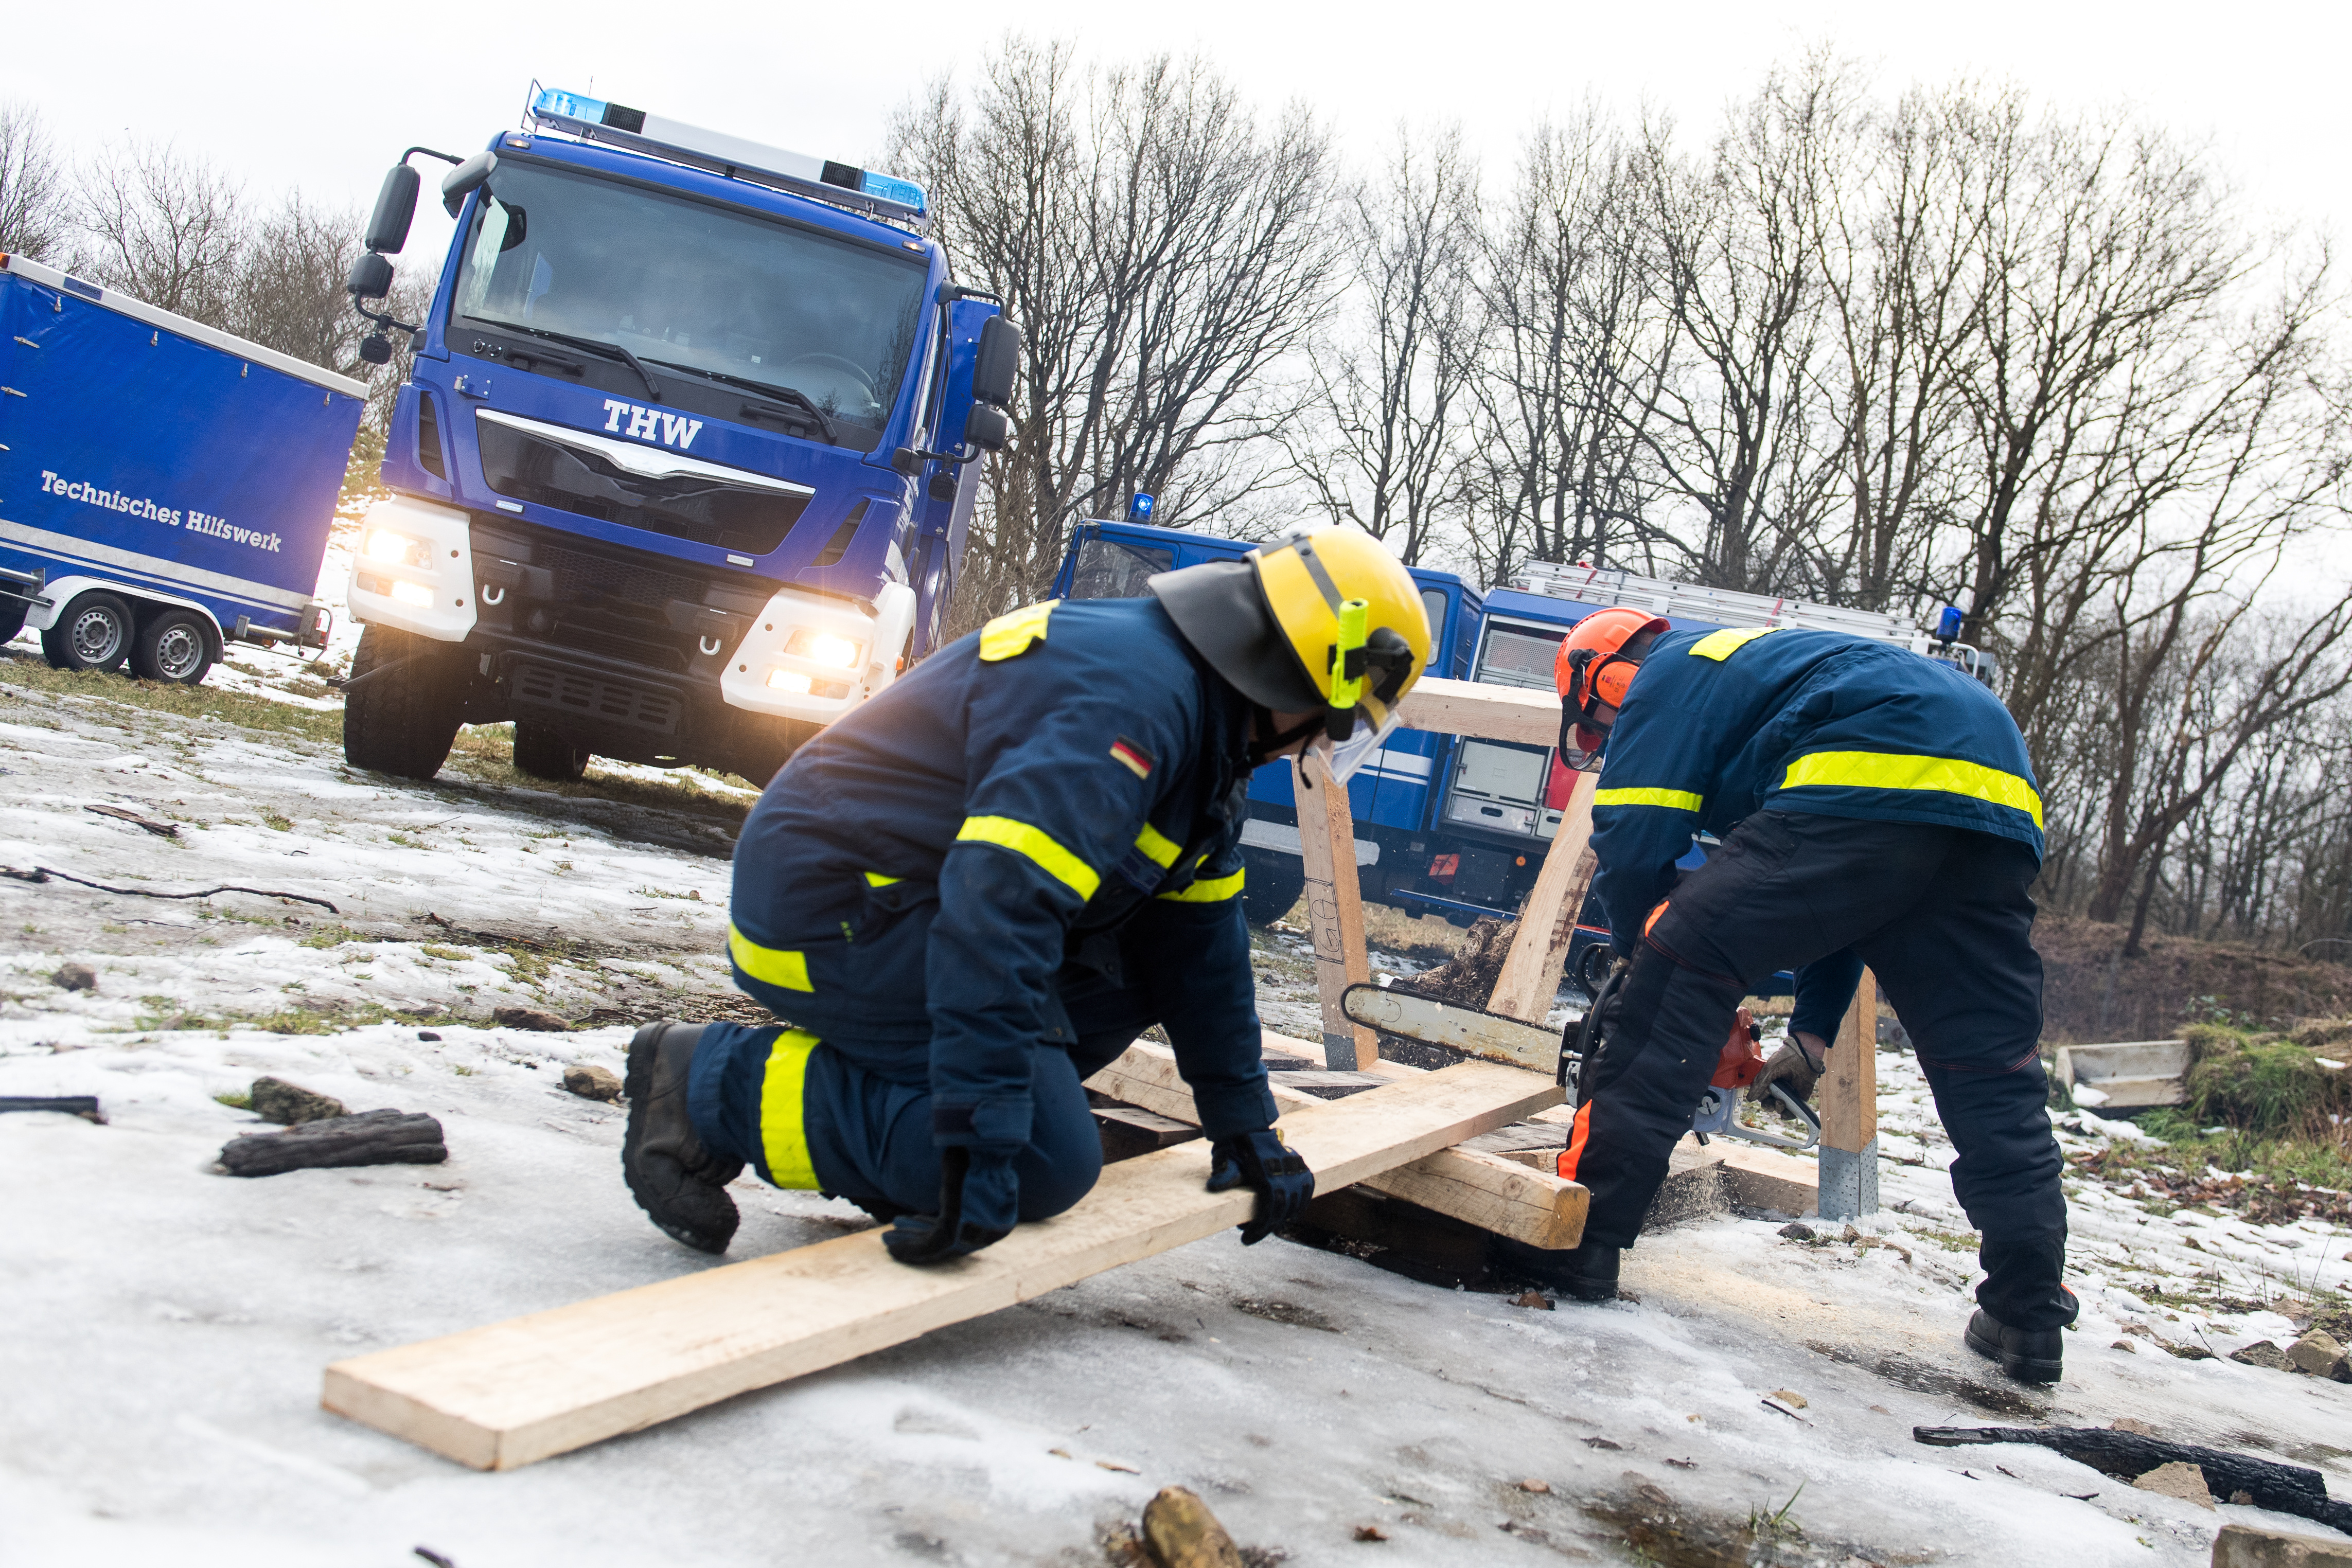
[[1943, 917], [854, 1120]]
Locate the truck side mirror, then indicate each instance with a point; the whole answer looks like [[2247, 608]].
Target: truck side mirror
[[370, 277], [987, 428], [395, 209], [995, 364], [465, 179]]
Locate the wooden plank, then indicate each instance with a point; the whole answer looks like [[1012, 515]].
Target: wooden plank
[[1849, 1087], [1530, 976], [1491, 713], [1335, 912], [1482, 1188], [512, 1392], [1767, 1178]]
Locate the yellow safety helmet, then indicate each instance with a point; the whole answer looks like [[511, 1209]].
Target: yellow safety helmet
[[1324, 620]]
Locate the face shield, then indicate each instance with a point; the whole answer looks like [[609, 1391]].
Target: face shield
[[1342, 758]]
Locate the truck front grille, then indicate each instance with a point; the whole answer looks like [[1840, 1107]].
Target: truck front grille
[[610, 702], [576, 479]]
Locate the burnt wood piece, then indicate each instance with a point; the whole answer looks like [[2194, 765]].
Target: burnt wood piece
[[370, 1138], [1399, 1236], [82, 1105], [1127, 1131], [2127, 1456]]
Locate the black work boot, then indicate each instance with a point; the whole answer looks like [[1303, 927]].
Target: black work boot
[[2030, 1355], [673, 1178], [1587, 1272]]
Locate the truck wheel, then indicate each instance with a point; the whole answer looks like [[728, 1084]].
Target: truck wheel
[[403, 720], [541, 753], [94, 633], [175, 645], [1272, 886]]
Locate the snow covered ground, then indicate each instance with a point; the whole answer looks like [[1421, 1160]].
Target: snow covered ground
[[166, 1324]]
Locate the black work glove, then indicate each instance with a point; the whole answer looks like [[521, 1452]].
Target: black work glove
[[979, 1205], [1262, 1162]]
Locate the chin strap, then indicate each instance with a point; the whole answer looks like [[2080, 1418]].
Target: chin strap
[[1263, 752]]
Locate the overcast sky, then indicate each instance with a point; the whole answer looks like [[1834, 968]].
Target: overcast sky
[[325, 96]]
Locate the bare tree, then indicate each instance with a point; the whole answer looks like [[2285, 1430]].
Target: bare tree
[[36, 200], [1392, 391], [164, 228], [1165, 254]]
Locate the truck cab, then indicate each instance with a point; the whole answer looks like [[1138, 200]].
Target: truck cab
[[684, 464]]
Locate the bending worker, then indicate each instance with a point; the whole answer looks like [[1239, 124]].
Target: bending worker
[[978, 888], [1873, 806]]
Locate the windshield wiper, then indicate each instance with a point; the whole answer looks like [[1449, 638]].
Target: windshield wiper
[[793, 397], [595, 346]]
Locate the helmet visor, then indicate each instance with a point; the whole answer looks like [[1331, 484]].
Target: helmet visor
[[1341, 758]]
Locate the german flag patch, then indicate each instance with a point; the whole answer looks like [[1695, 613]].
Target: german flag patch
[[1132, 757]]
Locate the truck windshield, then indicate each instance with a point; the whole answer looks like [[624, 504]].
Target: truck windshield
[[686, 284]]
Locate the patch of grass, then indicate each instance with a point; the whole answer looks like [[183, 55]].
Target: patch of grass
[[334, 936], [404, 841], [452, 955], [235, 1101], [2258, 1082], [30, 672], [281, 824]]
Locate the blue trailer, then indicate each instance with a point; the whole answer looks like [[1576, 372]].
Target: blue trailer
[[1458, 826], [165, 488], [684, 468]]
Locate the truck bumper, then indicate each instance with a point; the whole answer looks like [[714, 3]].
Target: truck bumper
[[415, 570]]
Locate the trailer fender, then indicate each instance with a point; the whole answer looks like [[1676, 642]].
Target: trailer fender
[[59, 591], [414, 569]]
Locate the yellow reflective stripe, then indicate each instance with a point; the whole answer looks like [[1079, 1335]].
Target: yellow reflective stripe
[[876, 879], [1721, 645], [1038, 844], [1216, 890], [783, 1116], [1162, 849], [1008, 636], [1672, 800], [1890, 770], [777, 965]]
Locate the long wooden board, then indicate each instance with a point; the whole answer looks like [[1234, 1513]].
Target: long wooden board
[[1472, 1184], [1530, 976], [512, 1392], [1335, 910], [1489, 712]]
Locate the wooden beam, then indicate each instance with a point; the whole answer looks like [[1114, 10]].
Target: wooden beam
[[1335, 912], [512, 1392], [1488, 711], [1849, 1104], [1483, 1189], [1530, 976]]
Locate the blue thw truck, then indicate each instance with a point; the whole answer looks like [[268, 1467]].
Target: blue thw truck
[[683, 471], [165, 488], [1458, 826]]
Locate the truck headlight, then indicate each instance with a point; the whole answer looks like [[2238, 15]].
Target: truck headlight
[[391, 545], [823, 648], [415, 593]]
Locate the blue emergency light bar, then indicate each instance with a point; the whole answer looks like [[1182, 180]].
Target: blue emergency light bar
[[842, 184]]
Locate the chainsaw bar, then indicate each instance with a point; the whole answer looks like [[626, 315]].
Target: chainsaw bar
[[1483, 1034]]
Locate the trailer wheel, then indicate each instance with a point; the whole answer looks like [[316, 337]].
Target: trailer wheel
[[404, 719], [94, 633], [1271, 885], [541, 753], [175, 645]]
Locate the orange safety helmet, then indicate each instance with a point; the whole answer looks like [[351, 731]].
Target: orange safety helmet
[[1590, 669]]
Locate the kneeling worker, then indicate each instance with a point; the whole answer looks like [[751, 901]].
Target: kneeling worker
[[1873, 806], [980, 886]]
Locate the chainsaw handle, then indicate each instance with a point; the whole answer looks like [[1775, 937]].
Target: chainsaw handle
[[1802, 1111]]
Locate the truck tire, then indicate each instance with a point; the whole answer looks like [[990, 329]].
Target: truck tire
[[94, 633], [403, 720], [1272, 884], [540, 753], [173, 645]]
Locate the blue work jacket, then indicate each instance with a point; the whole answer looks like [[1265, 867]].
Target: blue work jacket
[[1055, 799], [1717, 725]]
